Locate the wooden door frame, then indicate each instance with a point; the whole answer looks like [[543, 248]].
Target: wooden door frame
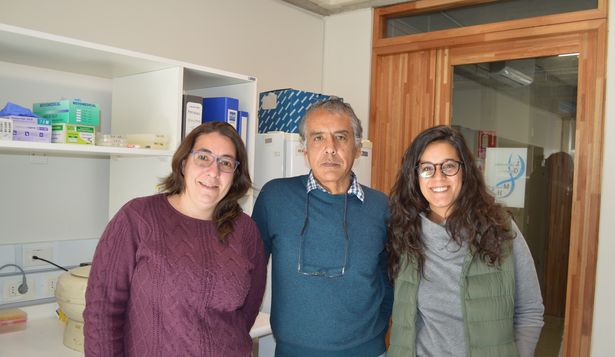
[[584, 32]]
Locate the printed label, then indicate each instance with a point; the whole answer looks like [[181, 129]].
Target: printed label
[[194, 114], [232, 118]]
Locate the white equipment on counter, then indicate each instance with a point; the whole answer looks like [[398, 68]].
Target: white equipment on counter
[[362, 166], [70, 294], [278, 154]]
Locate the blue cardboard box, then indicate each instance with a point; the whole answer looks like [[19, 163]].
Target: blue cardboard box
[[281, 109], [221, 109]]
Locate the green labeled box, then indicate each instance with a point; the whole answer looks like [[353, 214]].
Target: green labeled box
[[71, 111], [73, 134]]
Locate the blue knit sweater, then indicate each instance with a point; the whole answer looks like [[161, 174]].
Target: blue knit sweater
[[321, 316]]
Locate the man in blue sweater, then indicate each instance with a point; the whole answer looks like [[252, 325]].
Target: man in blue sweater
[[331, 296]]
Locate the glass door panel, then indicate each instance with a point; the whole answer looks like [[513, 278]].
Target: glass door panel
[[496, 11], [518, 116]]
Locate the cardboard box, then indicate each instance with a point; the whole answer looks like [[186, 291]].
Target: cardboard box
[[221, 109], [192, 113], [31, 132], [6, 129], [73, 134], [70, 111], [28, 128], [26, 120], [282, 109]]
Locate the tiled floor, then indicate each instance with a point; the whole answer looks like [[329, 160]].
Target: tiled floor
[[551, 337]]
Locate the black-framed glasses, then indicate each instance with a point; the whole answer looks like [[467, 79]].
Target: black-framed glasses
[[204, 158], [448, 168], [326, 272]]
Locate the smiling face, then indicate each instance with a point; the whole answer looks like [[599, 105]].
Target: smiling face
[[330, 149], [206, 186], [440, 191]]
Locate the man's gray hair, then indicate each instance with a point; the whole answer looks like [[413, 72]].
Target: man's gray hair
[[335, 106]]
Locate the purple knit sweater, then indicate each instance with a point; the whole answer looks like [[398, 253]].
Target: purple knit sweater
[[162, 284]]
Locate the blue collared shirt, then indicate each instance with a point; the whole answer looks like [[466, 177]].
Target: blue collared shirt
[[354, 189]]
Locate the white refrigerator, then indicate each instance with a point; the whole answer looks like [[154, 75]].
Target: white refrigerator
[[277, 154], [280, 154]]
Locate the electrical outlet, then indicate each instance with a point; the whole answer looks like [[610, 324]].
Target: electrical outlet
[[11, 289], [41, 250], [50, 286]]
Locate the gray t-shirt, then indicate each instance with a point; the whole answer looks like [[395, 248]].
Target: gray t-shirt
[[439, 322]]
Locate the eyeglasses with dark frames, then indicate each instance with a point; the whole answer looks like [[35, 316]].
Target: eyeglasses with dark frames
[[448, 168], [204, 158], [331, 272]]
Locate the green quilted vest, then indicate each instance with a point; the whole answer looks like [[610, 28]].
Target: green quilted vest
[[488, 309]]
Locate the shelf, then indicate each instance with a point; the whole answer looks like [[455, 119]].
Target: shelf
[[137, 93], [78, 149], [44, 50]]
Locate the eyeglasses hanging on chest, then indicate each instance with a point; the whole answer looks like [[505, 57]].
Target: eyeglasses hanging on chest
[[335, 271]]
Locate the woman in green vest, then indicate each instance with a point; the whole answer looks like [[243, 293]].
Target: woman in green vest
[[465, 281]]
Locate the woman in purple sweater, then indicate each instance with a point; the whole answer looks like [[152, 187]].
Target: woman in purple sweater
[[181, 273]]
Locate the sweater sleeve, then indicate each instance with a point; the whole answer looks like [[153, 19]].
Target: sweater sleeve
[[108, 288], [387, 303], [258, 277], [259, 214], [529, 309]]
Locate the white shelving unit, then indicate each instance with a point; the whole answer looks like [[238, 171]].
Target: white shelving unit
[[83, 186], [85, 150]]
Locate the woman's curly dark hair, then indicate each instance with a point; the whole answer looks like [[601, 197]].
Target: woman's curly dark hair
[[228, 209], [476, 216]]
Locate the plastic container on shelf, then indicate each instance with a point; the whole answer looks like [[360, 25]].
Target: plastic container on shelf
[[148, 141], [110, 140]]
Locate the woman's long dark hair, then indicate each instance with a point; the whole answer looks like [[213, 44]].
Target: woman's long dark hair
[[475, 217], [228, 209]]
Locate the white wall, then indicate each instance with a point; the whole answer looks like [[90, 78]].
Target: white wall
[[604, 308], [268, 39], [347, 60]]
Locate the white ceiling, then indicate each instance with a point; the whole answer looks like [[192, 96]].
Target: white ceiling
[[329, 7]]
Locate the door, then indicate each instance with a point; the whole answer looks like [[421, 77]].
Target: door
[[518, 117], [540, 95], [453, 82], [401, 80]]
